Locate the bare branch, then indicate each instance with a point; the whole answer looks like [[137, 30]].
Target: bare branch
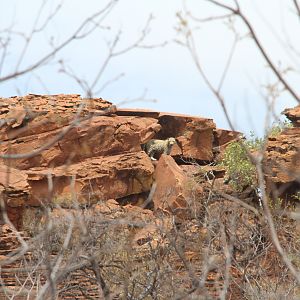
[[78, 34], [271, 226], [297, 6], [258, 43]]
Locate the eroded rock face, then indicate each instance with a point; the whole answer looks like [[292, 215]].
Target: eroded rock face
[[99, 136], [173, 191], [34, 114], [282, 158], [100, 178], [99, 165], [15, 191], [194, 135], [99, 158], [224, 136], [282, 162], [14, 186]]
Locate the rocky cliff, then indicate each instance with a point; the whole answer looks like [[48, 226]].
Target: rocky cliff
[[97, 218], [100, 152]]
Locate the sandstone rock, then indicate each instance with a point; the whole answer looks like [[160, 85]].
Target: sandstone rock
[[223, 136], [293, 114], [34, 114], [96, 137], [282, 162], [137, 112], [14, 186], [206, 171], [282, 156], [101, 178], [15, 190], [173, 192], [8, 240], [195, 135]]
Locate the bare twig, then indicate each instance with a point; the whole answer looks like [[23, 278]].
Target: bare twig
[[78, 34], [259, 45], [272, 229], [297, 6]]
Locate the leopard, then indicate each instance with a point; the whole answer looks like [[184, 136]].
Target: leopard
[[155, 148]]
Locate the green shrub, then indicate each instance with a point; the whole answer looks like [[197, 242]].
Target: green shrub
[[240, 171], [278, 127]]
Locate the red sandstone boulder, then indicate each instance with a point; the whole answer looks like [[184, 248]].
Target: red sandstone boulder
[[222, 138], [194, 135], [173, 191], [101, 178]]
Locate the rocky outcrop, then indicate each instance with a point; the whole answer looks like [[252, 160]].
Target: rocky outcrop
[[223, 136], [194, 135], [99, 136], [35, 114], [282, 159], [14, 186], [79, 162], [15, 192], [92, 180], [174, 189], [102, 153]]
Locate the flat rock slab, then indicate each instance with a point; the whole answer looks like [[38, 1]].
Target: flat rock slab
[[92, 180], [99, 136], [137, 112]]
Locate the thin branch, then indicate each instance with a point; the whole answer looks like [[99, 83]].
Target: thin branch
[[190, 43], [258, 43], [76, 35], [29, 38], [239, 202], [227, 64], [297, 6], [271, 226]]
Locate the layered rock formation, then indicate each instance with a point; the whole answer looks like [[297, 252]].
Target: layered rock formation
[[282, 159], [73, 170], [59, 146]]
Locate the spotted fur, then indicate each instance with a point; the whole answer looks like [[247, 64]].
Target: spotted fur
[[155, 148]]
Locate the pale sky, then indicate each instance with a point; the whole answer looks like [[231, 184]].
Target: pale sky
[[168, 73]]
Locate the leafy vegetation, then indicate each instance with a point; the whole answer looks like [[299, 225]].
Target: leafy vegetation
[[240, 171]]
